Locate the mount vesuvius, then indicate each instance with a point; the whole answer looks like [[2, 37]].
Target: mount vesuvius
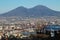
[[36, 11]]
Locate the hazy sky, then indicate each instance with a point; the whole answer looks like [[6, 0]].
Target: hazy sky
[[7, 5]]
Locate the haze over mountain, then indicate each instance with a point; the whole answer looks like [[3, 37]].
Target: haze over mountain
[[37, 11]]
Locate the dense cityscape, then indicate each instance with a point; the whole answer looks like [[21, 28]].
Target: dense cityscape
[[26, 28]]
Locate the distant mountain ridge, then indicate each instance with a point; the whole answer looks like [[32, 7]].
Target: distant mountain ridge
[[37, 11]]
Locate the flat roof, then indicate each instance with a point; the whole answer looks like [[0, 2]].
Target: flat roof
[[52, 27]]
